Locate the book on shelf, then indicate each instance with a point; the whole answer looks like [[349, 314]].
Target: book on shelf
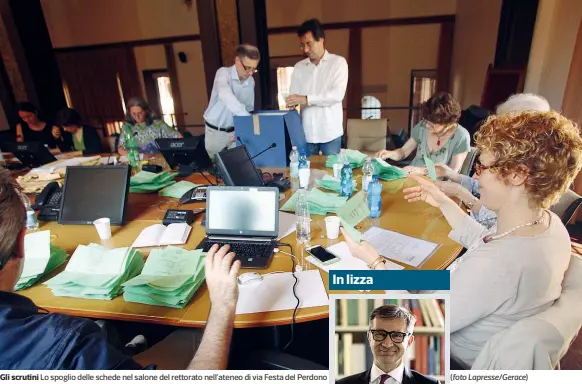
[[353, 354]]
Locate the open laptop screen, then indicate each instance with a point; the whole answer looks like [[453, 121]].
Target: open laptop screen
[[242, 211]]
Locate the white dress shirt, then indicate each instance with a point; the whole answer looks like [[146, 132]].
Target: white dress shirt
[[325, 87], [230, 97], [396, 375]]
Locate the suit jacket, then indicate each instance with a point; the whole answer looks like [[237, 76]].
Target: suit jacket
[[410, 377], [91, 140]]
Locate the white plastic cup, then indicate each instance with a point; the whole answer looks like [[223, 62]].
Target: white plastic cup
[[304, 174], [337, 171], [332, 226], [103, 227]]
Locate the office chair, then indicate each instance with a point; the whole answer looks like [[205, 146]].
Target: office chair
[[567, 205], [467, 166], [367, 135]]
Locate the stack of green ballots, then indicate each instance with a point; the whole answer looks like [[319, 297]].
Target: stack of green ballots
[[40, 258], [178, 189], [386, 171], [356, 158], [333, 184], [169, 278], [320, 203], [147, 182], [97, 272]]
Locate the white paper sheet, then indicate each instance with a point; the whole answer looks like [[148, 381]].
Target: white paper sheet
[[399, 247], [347, 262], [275, 293], [287, 224], [37, 253], [63, 164]]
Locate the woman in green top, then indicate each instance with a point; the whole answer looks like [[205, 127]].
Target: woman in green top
[[77, 137], [144, 127], [438, 137]]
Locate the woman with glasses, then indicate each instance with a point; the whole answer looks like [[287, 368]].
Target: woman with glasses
[[514, 271], [438, 137]]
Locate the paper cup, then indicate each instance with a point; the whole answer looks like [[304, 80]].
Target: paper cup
[[337, 171], [103, 227], [332, 225], [304, 174]]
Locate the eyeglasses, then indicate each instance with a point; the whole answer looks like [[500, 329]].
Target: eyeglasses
[[249, 69], [309, 44], [479, 168], [395, 336]]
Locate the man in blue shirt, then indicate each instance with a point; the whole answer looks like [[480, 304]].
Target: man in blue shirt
[[34, 339], [233, 94]]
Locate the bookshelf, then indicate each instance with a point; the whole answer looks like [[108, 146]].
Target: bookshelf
[[352, 350]]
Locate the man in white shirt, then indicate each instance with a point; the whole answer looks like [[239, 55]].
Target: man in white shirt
[[390, 335], [233, 94], [318, 85]]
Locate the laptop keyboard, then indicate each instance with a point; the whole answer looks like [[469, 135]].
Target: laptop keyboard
[[243, 250]]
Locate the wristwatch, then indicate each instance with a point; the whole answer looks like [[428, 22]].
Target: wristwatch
[[379, 260]]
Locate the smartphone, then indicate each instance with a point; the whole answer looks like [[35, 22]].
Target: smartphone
[[321, 254]]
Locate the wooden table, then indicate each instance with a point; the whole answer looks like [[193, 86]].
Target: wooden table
[[414, 219]]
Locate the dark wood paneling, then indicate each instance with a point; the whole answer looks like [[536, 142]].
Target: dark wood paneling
[[445, 57], [372, 23], [176, 95], [515, 33], [354, 90], [210, 39], [132, 43]]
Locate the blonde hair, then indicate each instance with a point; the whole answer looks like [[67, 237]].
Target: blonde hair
[[545, 145]]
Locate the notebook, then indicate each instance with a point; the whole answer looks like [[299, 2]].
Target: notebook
[[159, 234]]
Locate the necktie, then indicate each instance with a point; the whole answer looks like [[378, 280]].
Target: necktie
[[383, 378]]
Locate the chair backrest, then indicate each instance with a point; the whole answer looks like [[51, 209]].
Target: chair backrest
[[469, 161], [567, 205], [368, 136]]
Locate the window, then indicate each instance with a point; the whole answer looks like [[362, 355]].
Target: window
[[422, 87], [166, 100], [371, 108], [283, 83], [67, 95]]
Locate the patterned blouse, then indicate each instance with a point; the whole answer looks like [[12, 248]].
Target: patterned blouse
[[460, 142], [145, 135]]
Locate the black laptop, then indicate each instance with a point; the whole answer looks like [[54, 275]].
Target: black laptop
[[247, 219], [33, 154]]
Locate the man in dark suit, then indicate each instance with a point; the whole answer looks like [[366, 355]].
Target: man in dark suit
[[390, 335]]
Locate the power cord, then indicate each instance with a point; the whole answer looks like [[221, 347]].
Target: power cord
[[294, 292]]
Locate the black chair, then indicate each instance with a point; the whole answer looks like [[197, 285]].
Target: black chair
[[567, 205]]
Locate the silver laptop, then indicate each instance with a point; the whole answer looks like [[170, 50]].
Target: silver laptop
[[247, 219]]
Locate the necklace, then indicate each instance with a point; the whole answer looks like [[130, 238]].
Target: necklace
[[438, 143], [490, 238]]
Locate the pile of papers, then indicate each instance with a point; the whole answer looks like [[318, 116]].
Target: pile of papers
[[356, 158], [96, 272], [169, 278], [178, 189], [147, 182], [40, 258], [320, 203], [333, 184], [388, 172]]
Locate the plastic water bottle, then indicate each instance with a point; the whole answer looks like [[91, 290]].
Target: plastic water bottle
[[303, 160], [346, 183], [31, 222], [131, 147], [303, 227], [375, 197], [368, 171], [294, 164]]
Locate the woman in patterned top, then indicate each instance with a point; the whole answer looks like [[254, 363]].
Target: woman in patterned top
[[144, 127], [438, 137]]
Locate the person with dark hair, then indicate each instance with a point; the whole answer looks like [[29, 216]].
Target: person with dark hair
[[78, 137], [32, 338], [32, 128], [390, 335], [140, 121], [438, 136], [233, 94], [318, 85]]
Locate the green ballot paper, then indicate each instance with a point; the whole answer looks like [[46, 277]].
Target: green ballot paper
[[355, 210], [430, 168]]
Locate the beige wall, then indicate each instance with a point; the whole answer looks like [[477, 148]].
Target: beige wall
[[147, 58], [286, 13], [86, 22], [475, 41], [552, 48]]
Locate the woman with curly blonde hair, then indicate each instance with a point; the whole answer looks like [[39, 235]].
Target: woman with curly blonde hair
[[527, 161]]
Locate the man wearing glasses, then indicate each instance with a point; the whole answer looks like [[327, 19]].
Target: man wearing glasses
[[318, 85], [390, 335], [233, 94]]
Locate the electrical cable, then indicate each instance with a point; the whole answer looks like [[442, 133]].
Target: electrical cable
[[294, 292]]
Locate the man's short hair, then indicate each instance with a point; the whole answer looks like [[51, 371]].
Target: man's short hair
[[249, 51], [12, 217], [394, 312], [313, 26]]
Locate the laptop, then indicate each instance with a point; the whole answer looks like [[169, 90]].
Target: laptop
[[247, 219], [33, 154]]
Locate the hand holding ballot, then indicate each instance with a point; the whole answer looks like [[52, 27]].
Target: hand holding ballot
[[426, 191], [361, 250]]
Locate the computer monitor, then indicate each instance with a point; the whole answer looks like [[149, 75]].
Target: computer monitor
[[31, 153], [237, 169], [91, 193], [187, 152]]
